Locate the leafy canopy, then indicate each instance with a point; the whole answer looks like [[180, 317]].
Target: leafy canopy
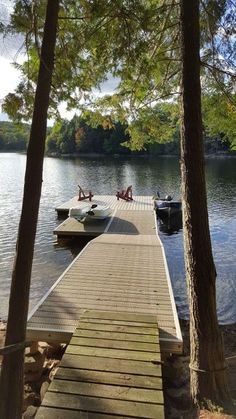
[[135, 41]]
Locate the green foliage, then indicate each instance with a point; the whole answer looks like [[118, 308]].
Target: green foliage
[[54, 138], [114, 143], [100, 37], [77, 136], [13, 137], [136, 41], [157, 124], [219, 115]]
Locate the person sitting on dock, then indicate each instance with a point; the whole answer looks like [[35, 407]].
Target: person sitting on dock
[[125, 194], [84, 194]]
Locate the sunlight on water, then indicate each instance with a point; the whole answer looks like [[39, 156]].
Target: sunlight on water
[[105, 176]]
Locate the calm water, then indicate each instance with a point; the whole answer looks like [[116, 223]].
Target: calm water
[[104, 176]]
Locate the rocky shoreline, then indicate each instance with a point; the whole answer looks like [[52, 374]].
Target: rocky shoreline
[[42, 361], [41, 364]]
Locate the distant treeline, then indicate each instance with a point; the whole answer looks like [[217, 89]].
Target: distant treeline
[[77, 137], [13, 137]]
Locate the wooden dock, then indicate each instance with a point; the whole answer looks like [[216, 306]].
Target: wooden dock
[[110, 369], [122, 270], [140, 202], [132, 217]]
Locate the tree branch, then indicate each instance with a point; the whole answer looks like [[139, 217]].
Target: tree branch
[[220, 70], [221, 85]]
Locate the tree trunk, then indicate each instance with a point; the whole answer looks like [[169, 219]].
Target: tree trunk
[[207, 365], [12, 375]]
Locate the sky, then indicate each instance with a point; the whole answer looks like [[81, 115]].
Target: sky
[[11, 51], [9, 80], [10, 76]]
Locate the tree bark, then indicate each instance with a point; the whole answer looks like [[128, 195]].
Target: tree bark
[[12, 374], [207, 365]]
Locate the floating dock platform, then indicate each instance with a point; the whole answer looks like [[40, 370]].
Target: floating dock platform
[[127, 217], [123, 269]]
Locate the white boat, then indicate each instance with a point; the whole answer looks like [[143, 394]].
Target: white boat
[[86, 212]]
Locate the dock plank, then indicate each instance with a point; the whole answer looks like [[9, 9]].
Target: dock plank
[[94, 334], [114, 353], [111, 365], [99, 405], [107, 391], [56, 413], [109, 343], [112, 378]]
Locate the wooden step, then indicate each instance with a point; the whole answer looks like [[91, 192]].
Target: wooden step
[[103, 377]]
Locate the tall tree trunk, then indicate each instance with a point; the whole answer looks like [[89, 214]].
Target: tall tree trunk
[[12, 375], [207, 365]]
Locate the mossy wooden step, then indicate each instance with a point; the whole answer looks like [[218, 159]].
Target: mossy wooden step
[[104, 376]]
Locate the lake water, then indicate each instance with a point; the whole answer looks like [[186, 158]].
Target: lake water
[[104, 176]]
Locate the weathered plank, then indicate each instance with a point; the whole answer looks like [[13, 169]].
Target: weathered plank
[[55, 413], [107, 391], [113, 353], [82, 333], [118, 344], [99, 405], [100, 376], [112, 378], [112, 365]]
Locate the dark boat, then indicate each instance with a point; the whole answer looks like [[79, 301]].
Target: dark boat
[[170, 225], [166, 207]]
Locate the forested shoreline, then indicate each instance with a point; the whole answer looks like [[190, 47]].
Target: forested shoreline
[[76, 137]]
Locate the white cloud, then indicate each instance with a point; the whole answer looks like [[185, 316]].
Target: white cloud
[[10, 77]]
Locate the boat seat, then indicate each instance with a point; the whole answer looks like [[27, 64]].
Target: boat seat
[[125, 194], [84, 194]]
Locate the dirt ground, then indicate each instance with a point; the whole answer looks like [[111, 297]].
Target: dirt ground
[[176, 380], [41, 367]]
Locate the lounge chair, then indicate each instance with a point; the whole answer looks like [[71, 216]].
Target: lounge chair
[[125, 194], [84, 194]]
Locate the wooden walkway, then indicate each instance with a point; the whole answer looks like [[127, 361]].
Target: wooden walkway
[[114, 272], [111, 369], [124, 269]]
